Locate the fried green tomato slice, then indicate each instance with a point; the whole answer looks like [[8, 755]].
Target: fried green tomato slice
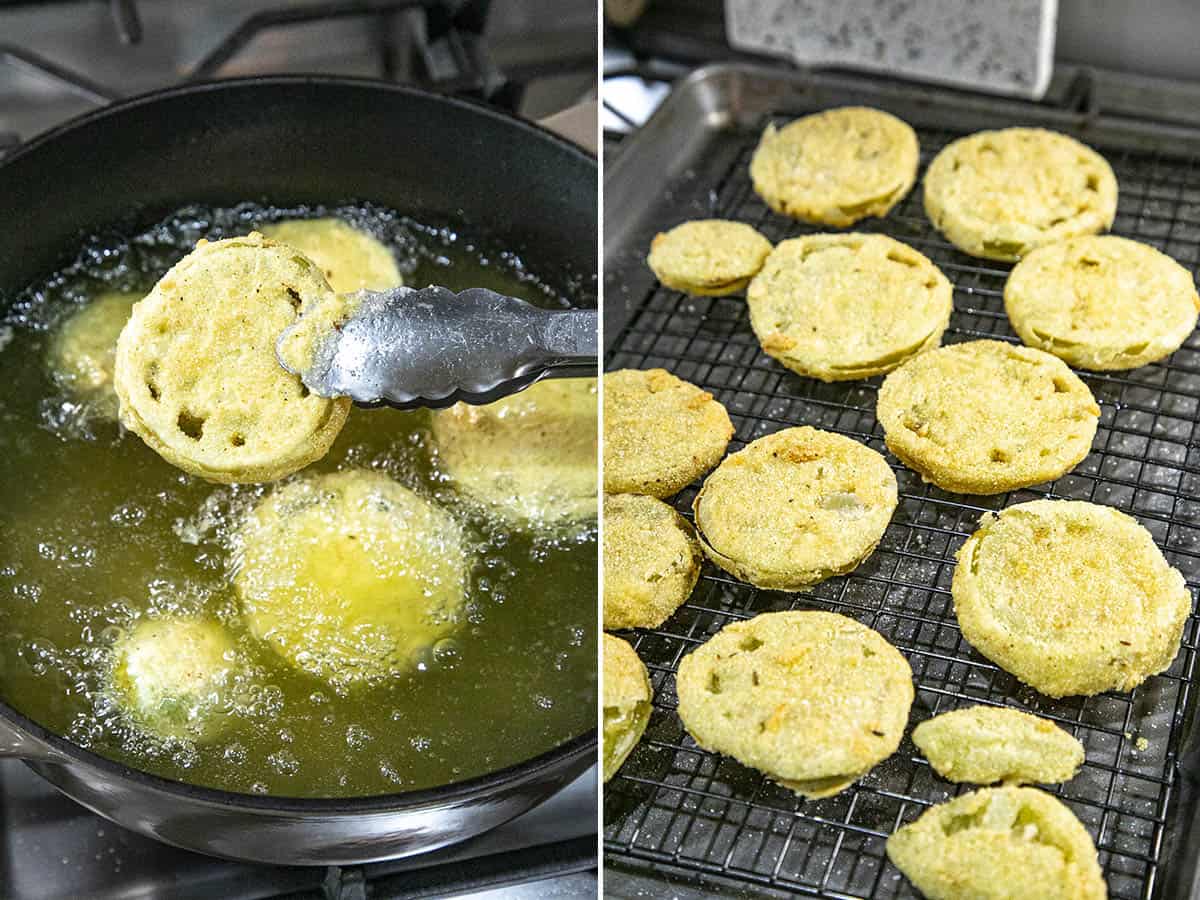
[[986, 744], [172, 677], [196, 371], [1008, 843], [350, 259], [530, 458], [350, 576], [813, 699], [626, 702], [83, 351]]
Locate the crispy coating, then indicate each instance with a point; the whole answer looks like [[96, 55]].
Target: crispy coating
[[986, 744], [710, 257], [651, 561], [1102, 303], [196, 372], [660, 432], [350, 576], [986, 417], [813, 699], [836, 167], [1070, 597], [1000, 194], [529, 458], [350, 259], [626, 702], [795, 507], [1008, 843], [843, 306]]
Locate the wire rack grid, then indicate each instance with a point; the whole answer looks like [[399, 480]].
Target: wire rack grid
[[678, 809]]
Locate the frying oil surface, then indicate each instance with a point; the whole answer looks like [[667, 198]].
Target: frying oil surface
[[97, 532]]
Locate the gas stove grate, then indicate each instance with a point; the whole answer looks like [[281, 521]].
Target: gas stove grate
[[439, 25], [675, 808], [439, 45]]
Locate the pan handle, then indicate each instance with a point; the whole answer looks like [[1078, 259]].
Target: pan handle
[[17, 744]]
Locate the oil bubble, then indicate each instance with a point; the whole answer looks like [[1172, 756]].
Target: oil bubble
[[284, 762], [388, 771], [128, 515], [357, 737], [447, 653]]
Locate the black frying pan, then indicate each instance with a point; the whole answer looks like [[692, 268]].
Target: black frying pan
[[295, 141]]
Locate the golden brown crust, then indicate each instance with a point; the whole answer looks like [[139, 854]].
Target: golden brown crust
[[986, 417], [350, 259], [626, 704], [795, 507], [986, 744], [813, 699], [660, 432], [1070, 597], [196, 372], [836, 167], [1006, 843], [845, 306], [1000, 194], [1102, 303], [709, 257], [651, 561]]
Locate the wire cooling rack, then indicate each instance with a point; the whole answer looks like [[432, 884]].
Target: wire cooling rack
[[701, 817]]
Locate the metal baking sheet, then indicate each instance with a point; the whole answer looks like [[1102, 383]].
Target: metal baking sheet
[[706, 824]]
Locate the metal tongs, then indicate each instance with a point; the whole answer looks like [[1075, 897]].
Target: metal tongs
[[431, 347]]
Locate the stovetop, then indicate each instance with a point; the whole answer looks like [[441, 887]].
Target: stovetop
[[60, 59], [52, 848]]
